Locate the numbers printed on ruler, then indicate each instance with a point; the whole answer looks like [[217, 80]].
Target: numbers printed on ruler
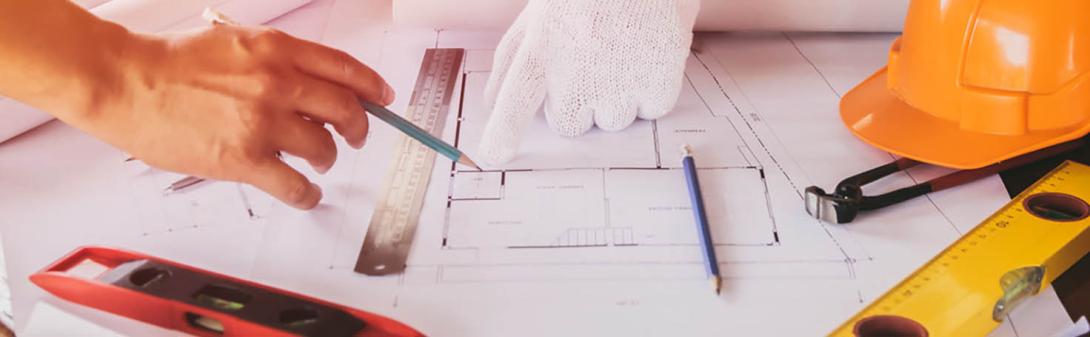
[[389, 236]]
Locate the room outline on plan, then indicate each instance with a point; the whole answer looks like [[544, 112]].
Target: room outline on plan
[[550, 210], [600, 225]]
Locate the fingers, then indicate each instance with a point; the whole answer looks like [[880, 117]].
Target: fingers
[[654, 109], [300, 137], [519, 98], [282, 182], [567, 115], [308, 140], [616, 116], [657, 107], [327, 102], [662, 94], [338, 67], [505, 55]]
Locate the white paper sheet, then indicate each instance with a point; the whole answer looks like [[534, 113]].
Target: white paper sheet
[[149, 16], [57, 319], [602, 230], [90, 3], [715, 15], [5, 294], [18, 118], [558, 242], [1080, 328], [161, 15]]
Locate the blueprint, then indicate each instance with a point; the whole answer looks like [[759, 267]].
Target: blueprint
[[587, 236], [593, 236]]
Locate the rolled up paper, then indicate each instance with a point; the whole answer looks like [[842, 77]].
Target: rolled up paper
[[715, 15]]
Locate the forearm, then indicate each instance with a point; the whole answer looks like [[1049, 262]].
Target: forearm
[[58, 57]]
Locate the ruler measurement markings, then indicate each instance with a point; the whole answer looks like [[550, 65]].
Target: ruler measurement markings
[[961, 275], [390, 233], [962, 247]]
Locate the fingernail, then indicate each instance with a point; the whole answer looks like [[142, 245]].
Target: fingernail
[[358, 144], [388, 95], [322, 169], [318, 196], [312, 200]]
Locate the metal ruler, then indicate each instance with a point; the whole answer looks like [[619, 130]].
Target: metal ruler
[[971, 286], [390, 234]]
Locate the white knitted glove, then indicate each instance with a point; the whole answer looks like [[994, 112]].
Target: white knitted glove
[[593, 62]]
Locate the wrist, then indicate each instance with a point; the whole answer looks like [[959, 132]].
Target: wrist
[[57, 56], [116, 86], [98, 81]]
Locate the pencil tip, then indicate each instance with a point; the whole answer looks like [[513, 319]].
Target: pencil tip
[[686, 150], [717, 284], [464, 160]]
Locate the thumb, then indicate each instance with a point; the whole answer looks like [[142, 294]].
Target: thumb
[[505, 54], [519, 97]]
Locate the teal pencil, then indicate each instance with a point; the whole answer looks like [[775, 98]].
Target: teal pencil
[[382, 113], [419, 134]]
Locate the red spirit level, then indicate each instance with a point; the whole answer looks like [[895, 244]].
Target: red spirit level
[[183, 298]]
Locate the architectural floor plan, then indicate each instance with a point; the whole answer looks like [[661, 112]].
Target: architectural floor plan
[[587, 236], [617, 201], [598, 228]]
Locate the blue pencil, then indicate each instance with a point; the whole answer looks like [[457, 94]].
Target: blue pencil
[[711, 265]]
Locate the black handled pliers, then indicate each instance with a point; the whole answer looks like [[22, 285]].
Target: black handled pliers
[[848, 199]]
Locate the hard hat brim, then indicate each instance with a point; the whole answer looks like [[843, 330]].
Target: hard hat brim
[[877, 116]]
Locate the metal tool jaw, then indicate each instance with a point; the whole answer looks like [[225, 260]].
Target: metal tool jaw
[[844, 204], [834, 208], [974, 284]]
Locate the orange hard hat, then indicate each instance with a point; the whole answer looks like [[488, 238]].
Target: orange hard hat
[[974, 82]]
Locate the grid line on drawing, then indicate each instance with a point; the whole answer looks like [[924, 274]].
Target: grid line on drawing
[[764, 147], [609, 232], [211, 204], [673, 229], [488, 222], [751, 129]]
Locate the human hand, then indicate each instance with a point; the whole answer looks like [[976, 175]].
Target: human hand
[[222, 102], [592, 62]]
